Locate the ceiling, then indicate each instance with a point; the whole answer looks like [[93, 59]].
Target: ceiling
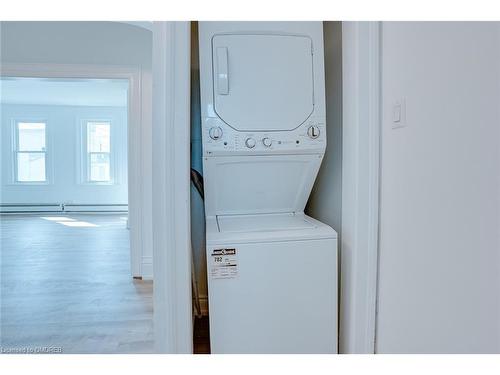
[[49, 91]]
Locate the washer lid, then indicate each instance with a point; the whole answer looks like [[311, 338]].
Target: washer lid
[[263, 82], [263, 223], [264, 184], [231, 230]]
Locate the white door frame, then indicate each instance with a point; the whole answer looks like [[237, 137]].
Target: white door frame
[[171, 187], [360, 185], [135, 125]]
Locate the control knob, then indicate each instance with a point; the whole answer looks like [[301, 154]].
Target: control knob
[[267, 142], [313, 131], [250, 142], [215, 133]]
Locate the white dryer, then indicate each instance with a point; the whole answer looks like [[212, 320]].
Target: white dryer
[[272, 270]]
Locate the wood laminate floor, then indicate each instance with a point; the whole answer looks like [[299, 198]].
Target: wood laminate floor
[[201, 339], [66, 283]]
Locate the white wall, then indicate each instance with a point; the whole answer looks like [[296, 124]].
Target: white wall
[[101, 44], [325, 202], [439, 276], [110, 43], [64, 155]]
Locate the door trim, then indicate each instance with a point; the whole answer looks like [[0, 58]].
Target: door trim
[[173, 312], [136, 123], [360, 185]]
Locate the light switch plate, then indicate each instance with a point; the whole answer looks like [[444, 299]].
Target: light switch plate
[[398, 113]]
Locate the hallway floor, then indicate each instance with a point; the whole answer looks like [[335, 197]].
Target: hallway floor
[[66, 285], [201, 339]]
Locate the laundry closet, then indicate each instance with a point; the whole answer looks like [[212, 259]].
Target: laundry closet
[[266, 137]]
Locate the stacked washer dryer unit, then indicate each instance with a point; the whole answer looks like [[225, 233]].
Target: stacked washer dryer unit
[[272, 270]]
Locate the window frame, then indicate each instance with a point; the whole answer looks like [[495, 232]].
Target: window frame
[[16, 151], [85, 154]]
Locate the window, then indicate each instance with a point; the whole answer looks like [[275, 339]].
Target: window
[[30, 152], [98, 151]]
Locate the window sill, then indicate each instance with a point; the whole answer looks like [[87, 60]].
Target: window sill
[[29, 183], [88, 183]]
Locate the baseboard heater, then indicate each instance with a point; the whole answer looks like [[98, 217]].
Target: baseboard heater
[[61, 207]]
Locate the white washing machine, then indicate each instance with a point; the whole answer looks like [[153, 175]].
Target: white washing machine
[[272, 270]]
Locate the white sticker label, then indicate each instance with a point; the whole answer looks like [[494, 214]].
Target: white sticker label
[[223, 264]]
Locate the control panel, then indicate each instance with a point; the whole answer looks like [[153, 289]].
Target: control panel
[[220, 138]]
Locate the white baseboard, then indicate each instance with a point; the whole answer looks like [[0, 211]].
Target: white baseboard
[[147, 268], [61, 208], [28, 208]]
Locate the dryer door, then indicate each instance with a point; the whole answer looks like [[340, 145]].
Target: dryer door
[[263, 82]]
